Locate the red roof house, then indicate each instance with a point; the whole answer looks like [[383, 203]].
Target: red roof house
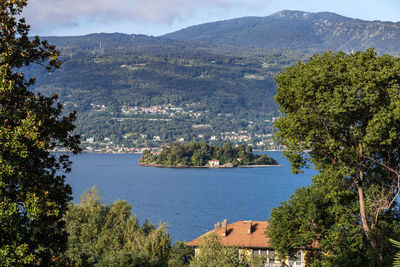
[[248, 236]]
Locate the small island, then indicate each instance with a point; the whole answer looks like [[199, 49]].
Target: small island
[[202, 155]]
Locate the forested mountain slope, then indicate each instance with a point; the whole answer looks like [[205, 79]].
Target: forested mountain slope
[[135, 88], [211, 83], [297, 30]]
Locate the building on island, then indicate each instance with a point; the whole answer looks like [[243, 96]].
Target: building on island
[[213, 162], [250, 238]]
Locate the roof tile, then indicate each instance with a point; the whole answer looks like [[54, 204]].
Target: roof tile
[[237, 235]]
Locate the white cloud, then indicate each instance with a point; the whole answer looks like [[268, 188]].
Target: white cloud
[[43, 13], [60, 17]]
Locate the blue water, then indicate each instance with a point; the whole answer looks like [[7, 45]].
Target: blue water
[[191, 201]]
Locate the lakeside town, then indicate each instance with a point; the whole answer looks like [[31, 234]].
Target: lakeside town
[[137, 143]]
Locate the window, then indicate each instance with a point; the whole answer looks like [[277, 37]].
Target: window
[[259, 252], [271, 256]]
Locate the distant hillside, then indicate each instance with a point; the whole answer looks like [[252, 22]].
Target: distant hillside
[[296, 30], [208, 83], [141, 91], [120, 69]]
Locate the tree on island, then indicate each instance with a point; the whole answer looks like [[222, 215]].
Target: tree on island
[[198, 154], [342, 115], [33, 193]]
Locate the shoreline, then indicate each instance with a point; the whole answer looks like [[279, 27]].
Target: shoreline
[[105, 152], [143, 164]]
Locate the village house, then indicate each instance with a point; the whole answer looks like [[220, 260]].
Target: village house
[[250, 238], [213, 162]]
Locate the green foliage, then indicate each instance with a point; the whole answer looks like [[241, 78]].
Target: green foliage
[[198, 154], [212, 253], [180, 255], [321, 218], [33, 192], [109, 235], [141, 71], [396, 260], [342, 115]]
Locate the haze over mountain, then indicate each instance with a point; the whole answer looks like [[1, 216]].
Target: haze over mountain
[[297, 30]]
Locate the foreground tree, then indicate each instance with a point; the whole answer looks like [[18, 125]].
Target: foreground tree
[[396, 261], [180, 254], [212, 253], [33, 192], [323, 219], [101, 234], [343, 113]]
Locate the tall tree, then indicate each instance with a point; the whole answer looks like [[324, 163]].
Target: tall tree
[[323, 219], [180, 254], [212, 253], [101, 234], [33, 192], [344, 111]]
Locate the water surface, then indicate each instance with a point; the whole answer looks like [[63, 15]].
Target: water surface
[[191, 201]]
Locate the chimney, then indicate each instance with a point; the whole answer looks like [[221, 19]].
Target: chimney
[[217, 226], [224, 223], [249, 227]]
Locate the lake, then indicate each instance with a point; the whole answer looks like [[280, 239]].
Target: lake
[[191, 201]]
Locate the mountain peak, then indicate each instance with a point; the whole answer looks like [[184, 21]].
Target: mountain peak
[[297, 14], [297, 30], [290, 13]]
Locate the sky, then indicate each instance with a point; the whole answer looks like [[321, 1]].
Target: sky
[[158, 17]]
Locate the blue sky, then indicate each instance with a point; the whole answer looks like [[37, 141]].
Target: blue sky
[[157, 17]]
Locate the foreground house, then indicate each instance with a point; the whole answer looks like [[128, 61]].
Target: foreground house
[[250, 238]]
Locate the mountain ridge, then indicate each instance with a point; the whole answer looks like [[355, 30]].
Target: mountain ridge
[[143, 91], [297, 30]]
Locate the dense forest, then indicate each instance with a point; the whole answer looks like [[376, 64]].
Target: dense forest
[[110, 78], [199, 154], [141, 91], [297, 30]]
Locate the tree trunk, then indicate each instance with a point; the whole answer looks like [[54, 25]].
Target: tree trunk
[[365, 225]]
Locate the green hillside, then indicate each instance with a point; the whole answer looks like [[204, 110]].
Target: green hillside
[[297, 30], [143, 91], [208, 83]]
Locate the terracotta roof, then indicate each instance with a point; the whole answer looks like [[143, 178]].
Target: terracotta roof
[[237, 235]]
